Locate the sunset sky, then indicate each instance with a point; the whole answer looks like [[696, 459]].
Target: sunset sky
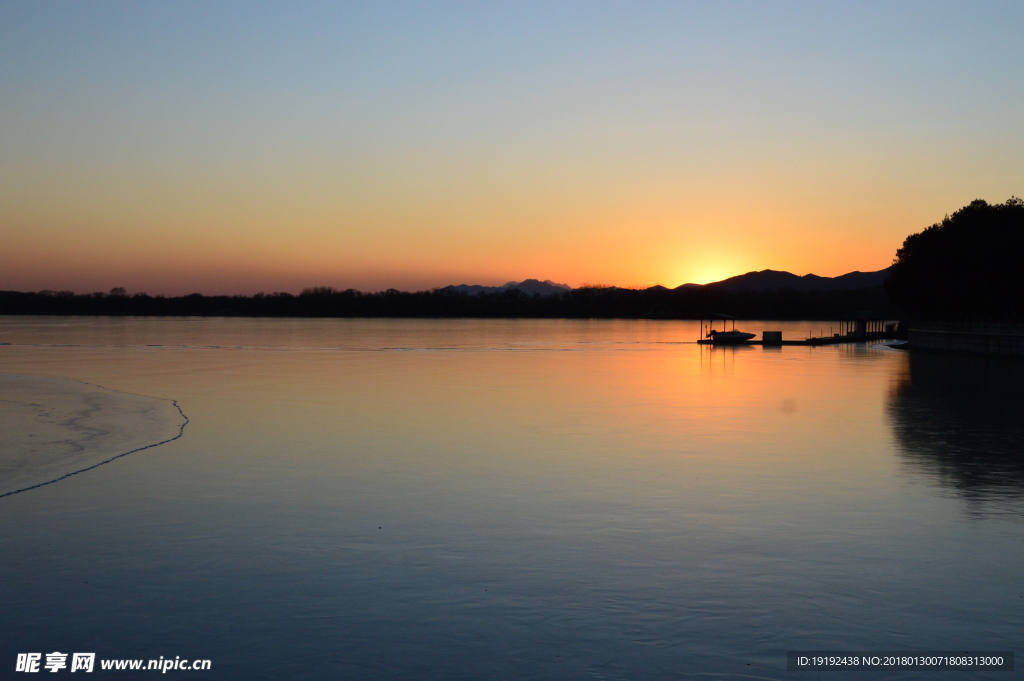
[[226, 147]]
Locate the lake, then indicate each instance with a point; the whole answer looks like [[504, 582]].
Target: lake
[[519, 499]]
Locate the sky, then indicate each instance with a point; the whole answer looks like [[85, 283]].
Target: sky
[[237, 147]]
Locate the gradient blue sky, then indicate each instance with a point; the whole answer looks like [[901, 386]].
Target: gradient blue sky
[[232, 147]]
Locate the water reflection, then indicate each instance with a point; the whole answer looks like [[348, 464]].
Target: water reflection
[[958, 419]]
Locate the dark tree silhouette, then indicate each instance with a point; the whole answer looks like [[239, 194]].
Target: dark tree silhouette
[[969, 265], [606, 302]]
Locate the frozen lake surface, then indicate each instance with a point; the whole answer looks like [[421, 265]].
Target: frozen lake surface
[[521, 499]]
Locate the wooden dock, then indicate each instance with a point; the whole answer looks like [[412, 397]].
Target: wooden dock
[[826, 340], [809, 341], [858, 329]]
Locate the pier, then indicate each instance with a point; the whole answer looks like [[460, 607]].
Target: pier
[[806, 341], [858, 330]]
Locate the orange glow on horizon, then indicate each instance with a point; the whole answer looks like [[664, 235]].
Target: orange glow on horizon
[[602, 144]]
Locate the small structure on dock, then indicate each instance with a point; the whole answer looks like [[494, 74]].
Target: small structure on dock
[[867, 326]]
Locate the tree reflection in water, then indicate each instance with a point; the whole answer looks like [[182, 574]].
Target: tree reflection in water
[[961, 420]]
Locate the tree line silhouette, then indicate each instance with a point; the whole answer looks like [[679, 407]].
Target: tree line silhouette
[[587, 302]]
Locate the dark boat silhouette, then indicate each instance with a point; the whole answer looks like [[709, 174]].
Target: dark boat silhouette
[[732, 336]]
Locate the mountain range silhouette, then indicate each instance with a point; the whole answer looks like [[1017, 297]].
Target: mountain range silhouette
[[774, 279], [751, 281], [528, 286]]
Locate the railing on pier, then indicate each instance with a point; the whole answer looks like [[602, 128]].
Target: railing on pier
[[994, 328]]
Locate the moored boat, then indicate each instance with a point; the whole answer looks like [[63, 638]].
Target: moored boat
[[725, 336], [733, 336]]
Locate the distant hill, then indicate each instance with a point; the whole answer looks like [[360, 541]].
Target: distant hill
[[773, 279], [528, 286]]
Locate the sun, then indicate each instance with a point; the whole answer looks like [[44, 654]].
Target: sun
[[706, 272]]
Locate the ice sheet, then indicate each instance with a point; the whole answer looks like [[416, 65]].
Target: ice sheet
[[51, 428]]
